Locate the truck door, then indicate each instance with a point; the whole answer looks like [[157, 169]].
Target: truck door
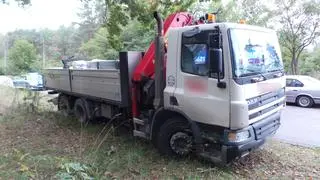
[[196, 91]]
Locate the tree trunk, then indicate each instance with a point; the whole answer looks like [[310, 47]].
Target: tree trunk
[[296, 68], [294, 63], [293, 66]]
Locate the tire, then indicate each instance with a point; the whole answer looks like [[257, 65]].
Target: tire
[[64, 105], [172, 131], [305, 101], [81, 111]]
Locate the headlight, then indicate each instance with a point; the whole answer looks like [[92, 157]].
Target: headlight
[[235, 137]]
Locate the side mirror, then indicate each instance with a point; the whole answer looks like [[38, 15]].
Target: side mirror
[[216, 60]]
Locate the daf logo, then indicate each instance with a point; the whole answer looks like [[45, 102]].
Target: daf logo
[[252, 101]]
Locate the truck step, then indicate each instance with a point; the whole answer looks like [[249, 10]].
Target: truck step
[[138, 121], [140, 134]]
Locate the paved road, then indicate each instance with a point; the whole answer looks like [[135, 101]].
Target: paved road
[[300, 126]]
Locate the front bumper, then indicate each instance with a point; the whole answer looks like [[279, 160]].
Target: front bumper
[[229, 153], [261, 130]]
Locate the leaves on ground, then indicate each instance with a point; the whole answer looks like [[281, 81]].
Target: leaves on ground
[[44, 145]]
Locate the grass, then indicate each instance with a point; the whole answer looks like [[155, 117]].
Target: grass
[[45, 145]]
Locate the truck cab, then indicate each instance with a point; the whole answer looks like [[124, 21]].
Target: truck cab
[[238, 106]]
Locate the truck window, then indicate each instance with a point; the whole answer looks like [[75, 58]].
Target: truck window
[[195, 54], [194, 59]]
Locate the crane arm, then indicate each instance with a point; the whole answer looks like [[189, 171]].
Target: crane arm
[[146, 66]]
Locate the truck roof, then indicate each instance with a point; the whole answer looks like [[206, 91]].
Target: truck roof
[[229, 25]]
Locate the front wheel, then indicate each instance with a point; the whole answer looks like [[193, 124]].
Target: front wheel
[[175, 138], [305, 101]]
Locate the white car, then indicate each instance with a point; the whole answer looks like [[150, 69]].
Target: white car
[[302, 90]]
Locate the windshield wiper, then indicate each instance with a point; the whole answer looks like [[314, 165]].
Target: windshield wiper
[[252, 72], [255, 79]]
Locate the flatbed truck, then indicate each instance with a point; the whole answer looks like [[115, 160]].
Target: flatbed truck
[[214, 89]]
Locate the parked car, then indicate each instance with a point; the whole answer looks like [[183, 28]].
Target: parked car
[[32, 81], [35, 81], [21, 83], [302, 90], [6, 81]]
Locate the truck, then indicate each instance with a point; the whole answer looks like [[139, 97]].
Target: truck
[[211, 89]]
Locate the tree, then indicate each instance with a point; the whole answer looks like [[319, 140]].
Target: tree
[[311, 63], [66, 41], [299, 27], [92, 15], [2, 38], [254, 12], [22, 57], [135, 37], [120, 12], [20, 2], [98, 47]]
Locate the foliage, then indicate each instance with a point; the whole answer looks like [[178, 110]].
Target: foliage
[[134, 37], [2, 71], [21, 57], [74, 171], [299, 27], [50, 44], [20, 2], [254, 12], [92, 15], [109, 26], [67, 41], [2, 43], [98, 47], [311, 64], [120, 12]]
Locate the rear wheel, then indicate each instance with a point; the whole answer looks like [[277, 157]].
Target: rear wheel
[[81, 111], [175, 137], [305, 101], [64, 105]]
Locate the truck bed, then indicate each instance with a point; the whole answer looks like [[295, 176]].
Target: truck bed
[[110, 85], [103, 84]]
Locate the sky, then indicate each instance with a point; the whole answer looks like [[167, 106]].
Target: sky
[[41, 14]]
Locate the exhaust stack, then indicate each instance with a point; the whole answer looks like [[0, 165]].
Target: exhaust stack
[[159, 52]]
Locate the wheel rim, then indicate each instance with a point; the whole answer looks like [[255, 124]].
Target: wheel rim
[[304, 101], [181, 143]]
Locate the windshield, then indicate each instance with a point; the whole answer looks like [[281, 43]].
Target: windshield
[[255, 52]]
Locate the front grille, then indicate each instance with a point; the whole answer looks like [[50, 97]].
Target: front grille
[[259, 113], [265, 99], [266, 126]]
